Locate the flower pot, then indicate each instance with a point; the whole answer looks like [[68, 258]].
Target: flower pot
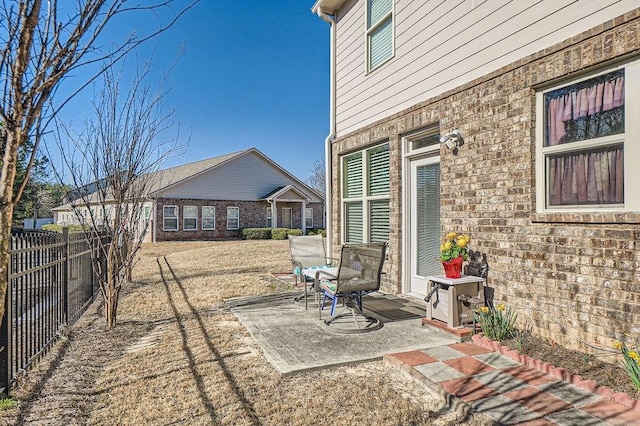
[[453, 267]]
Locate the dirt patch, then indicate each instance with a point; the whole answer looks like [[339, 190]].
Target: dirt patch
[[603, 367]]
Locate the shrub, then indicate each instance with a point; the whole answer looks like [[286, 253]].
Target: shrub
[[256, 233], [52, 227], [279, 233], [296, 232], [317, 231], [496, 323]]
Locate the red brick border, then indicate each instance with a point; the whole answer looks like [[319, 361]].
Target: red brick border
[[575, 379]]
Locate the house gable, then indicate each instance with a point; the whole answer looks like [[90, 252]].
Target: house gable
[[244, 178]]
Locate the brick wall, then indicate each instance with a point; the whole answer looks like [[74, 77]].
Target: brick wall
[[572, 277], [253, 214]]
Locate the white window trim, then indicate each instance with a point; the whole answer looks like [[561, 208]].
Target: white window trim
[[365, 199], [177, 219], [184, 218], [209, 217], [308, 217], [368, 31], [238, 218], [631, 150], [269, 217]]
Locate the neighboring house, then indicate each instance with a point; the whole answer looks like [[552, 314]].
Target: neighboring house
[[214, 198], [546, 96]]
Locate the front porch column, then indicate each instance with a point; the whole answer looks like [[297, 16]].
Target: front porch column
[[303, 225], [274, 215]]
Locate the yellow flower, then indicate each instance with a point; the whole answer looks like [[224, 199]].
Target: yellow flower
[[466, 237], [617, 346], [634, 355], [441, 247], [501, 307], [447, 245], [452, 236], [462, 242], [484, 310]]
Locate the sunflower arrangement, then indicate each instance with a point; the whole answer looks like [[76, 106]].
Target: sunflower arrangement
[[454, 245]]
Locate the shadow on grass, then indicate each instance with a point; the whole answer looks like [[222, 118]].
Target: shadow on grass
[[214, 351]]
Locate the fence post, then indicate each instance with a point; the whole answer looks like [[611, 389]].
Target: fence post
[[6, 331], [66, 267]]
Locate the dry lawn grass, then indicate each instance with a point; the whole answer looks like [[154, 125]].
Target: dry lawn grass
[[178, 357]]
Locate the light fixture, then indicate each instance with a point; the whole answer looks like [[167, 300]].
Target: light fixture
[[453, 140]]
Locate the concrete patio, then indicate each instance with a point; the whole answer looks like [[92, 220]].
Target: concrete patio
[[294, 339]]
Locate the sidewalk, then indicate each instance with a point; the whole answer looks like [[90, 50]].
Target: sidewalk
[[471, 377]]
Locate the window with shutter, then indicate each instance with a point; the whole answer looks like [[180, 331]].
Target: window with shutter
[[379, 32], [366, 213]]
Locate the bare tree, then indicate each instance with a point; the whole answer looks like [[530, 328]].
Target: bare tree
[[117, 155], [317, 178], [42, 42]]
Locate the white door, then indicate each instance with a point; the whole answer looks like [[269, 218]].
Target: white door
[[424, 222]]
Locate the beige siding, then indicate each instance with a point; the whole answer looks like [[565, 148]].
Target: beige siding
[[247, 178], [440, 45]]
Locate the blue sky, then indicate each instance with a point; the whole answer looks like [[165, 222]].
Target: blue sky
[[252, 75]]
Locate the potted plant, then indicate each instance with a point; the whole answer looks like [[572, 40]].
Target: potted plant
[[453, 251]]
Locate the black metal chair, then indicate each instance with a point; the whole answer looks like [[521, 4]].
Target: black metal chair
[[359, 273]]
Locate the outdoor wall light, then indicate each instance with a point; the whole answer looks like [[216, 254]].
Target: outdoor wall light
[[453, 140]]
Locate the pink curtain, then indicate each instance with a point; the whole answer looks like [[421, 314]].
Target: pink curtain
[[588, 177], [581, 103]]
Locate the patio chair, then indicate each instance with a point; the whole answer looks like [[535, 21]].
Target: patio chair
[[307, 252], [359, 273]]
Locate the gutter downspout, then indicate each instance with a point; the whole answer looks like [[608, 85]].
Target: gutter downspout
[[332, 129]]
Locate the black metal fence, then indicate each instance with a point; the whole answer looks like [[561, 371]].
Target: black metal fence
[[51, 283]]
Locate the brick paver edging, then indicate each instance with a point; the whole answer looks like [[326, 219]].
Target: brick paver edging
[[560, 373]]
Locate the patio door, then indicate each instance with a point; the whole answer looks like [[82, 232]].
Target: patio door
[[424, 222]]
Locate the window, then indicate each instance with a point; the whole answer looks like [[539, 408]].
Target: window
[[147, 212], [208, 218], [308, 217], [379, 32], [233, 218], [585, 145], [269, 218], [365, 195], [170, 218], [190, 218]]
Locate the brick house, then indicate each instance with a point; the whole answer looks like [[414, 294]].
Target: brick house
[[212, 199], [545, 183]]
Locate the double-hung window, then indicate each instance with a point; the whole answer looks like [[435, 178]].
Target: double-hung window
[[308, 217], [233, 218], [379, 32], [586, 146], [170, 218], [269, 217], [365, 195], [208, 218], [190, 218]]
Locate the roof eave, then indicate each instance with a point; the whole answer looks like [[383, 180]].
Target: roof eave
[[328, 6]]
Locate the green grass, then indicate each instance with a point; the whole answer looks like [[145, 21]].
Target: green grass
[[7, 403]]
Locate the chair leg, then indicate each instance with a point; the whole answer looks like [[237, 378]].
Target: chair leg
[[334, 305]]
